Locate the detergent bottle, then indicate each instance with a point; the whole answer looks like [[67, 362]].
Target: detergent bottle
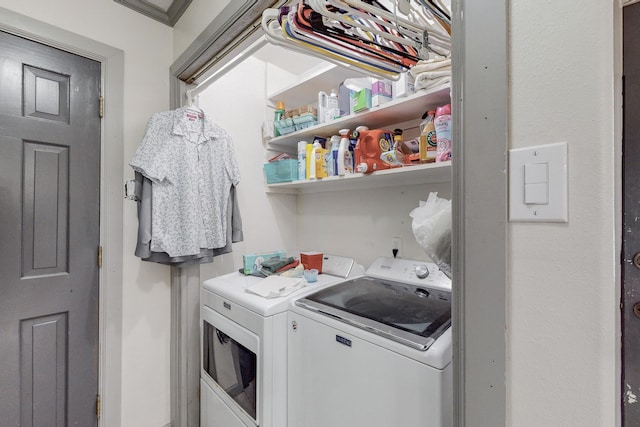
[[316, 154], [320, 154], [345, 164], [442, 124], [335, 146], [428, 139]]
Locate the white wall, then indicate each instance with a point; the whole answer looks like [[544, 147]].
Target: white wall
[[237, 103], [562, 299], [361, 224], [197, 17], [357, 224], [145, 292]]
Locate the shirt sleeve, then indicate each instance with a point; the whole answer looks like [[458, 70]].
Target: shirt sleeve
[[230, 162], [149, 158]]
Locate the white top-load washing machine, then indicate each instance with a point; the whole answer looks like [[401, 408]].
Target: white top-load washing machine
[[373, 351], [244, 348]]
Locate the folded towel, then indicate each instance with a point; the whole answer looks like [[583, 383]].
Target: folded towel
[[276, 286], [425, 83], [274, 264], [430, 65], [433, 74]]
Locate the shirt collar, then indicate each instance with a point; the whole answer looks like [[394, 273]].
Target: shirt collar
[[181, 117]]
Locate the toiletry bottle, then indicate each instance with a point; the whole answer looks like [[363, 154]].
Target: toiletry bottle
[[302, 160], [428, 139], [309, 154], [442, 123], [278, 115]]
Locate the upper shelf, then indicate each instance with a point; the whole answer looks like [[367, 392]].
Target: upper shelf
[[395, 111], [305, 90], [406, 175]]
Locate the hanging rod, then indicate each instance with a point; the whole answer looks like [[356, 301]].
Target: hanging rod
[[198, 88]]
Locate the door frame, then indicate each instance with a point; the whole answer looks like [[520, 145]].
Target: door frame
[[111, 200], [618, 38]]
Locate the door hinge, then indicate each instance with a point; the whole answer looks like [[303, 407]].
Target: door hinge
[[101, 107], [98, 406], [99, 256]]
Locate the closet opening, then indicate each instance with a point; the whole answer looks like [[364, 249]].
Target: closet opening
[[241, 95]]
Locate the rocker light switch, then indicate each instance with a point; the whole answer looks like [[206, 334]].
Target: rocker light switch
[[536, 172], [538, 183]]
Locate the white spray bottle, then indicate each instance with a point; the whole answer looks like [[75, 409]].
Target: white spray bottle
[[302, 160], [344, 156]]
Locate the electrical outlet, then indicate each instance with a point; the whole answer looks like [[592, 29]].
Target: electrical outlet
[[396, 247]]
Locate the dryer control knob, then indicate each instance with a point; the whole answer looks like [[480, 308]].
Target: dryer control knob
[[422, 271]]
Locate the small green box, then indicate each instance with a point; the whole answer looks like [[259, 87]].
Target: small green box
[[361, 100], [281, 171]]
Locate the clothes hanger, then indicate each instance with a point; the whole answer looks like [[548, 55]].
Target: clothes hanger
[[374, 40], [371, 22], [275, 34], [336, 47], [320, 6], [419, 34], [191, 106], [307, 26], [423, 17], [308, 23]]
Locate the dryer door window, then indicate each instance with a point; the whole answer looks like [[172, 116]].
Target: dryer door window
[[231, 365]]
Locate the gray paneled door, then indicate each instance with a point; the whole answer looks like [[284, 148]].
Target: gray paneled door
[[49, 235], [631, 222]]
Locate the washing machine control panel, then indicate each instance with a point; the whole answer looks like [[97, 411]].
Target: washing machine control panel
[[417, 273]]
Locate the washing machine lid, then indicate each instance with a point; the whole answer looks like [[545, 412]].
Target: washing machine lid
[[412, 315]]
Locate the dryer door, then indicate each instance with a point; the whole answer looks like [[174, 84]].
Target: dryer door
[[230, 359]]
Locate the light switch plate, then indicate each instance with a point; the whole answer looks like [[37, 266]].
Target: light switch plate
[[556, 209]]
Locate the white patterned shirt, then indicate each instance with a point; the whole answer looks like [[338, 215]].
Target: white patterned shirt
[[192, 164]]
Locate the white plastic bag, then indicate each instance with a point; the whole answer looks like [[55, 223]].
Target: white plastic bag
[[431, 227]]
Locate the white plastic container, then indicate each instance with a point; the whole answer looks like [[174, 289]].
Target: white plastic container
[[333, 110], [323, 105], [328, 106]]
